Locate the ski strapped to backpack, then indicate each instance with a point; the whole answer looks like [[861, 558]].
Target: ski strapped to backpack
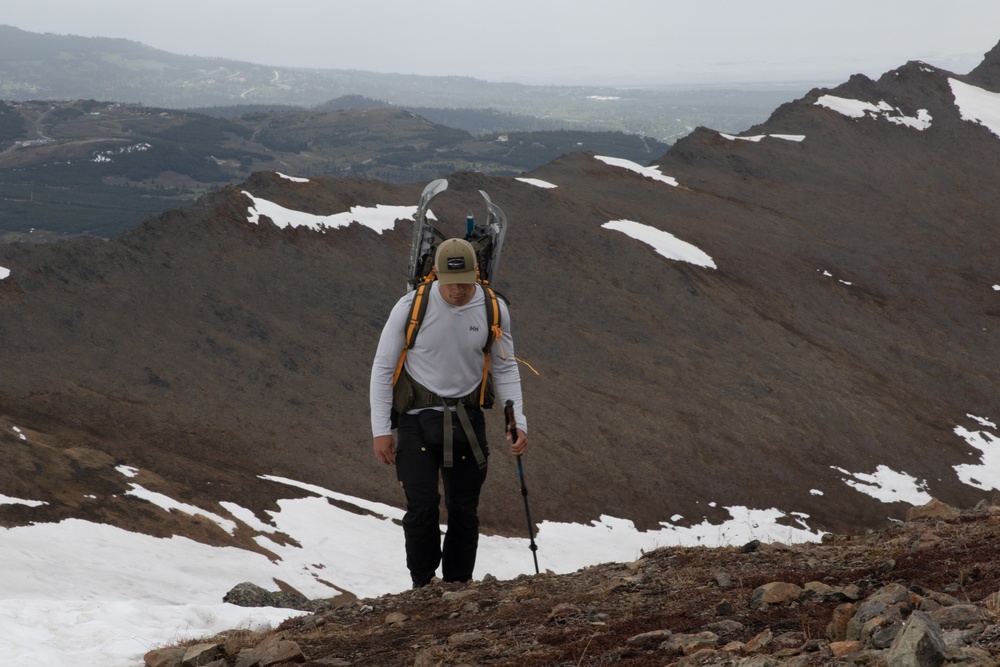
[[486, 237]]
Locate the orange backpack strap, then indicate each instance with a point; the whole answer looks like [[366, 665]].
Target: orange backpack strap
[[492, 316], [494, 331], [417, 310]]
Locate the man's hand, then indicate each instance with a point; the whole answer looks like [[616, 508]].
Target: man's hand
[[385, 448], [519, 446]]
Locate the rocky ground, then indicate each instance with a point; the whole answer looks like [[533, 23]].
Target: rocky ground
[[922, 593]]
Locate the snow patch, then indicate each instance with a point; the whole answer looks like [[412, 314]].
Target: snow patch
[[537, 182], [985, 474], [827, 274], [648, 172], [107, 156], [248, 517], [293, 179], [888, 485], [82, 594], [758, 137], [616, 540], [977, 105], [982, 421], [4, 272], [167, 503], [7, 500], [882, 110], [381, 218], [379, 509], [662, 242]]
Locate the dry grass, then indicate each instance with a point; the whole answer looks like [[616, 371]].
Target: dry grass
[[231, 641]]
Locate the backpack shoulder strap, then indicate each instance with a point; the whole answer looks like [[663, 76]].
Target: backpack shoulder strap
[[494, 331], [492, 316], [417, 311], [419, 308]]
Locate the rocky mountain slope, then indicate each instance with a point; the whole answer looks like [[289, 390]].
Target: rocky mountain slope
[[848, 325], [920, 594]]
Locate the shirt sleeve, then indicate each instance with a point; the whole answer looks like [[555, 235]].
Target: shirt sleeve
[[390, 346], [506, 375]]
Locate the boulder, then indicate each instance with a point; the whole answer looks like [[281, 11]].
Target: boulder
[[885, 606], [920, 644], [201, 655], [164, 657], [776, 592], [935, 509], [272, 651]]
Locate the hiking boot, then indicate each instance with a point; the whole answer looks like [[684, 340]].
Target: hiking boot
[[429, 582]]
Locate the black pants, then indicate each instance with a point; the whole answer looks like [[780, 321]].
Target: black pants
[[419, 457]]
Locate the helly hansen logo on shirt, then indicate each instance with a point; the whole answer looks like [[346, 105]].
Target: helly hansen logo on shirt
[[474, 327]]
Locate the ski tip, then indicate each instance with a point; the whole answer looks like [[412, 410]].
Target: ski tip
[[436, 186]]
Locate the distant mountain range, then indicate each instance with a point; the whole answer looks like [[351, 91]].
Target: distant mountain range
[[87, 167], [836, 360], [94, 136], [62, 67]]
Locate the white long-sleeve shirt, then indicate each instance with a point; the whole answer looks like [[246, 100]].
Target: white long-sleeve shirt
[[447, 358]]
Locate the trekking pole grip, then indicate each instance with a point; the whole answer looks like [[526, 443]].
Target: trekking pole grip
[[509, 424]]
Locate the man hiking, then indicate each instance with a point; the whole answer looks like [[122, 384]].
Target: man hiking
[[440, 428]]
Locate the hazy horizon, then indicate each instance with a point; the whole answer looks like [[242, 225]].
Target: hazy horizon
[[559, 42]]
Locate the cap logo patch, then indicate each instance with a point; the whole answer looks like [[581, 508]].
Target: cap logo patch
[[456, 263]]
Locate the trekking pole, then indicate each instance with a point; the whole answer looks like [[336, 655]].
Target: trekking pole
[[508, 415]]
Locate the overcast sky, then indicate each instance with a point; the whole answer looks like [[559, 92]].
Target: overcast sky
[[549, 41]]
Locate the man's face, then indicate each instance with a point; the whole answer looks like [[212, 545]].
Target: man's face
[[457, 294]]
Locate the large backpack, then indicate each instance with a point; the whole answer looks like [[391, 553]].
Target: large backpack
[[418, 309]]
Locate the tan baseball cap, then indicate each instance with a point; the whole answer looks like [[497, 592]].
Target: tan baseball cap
[[456, 262]]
